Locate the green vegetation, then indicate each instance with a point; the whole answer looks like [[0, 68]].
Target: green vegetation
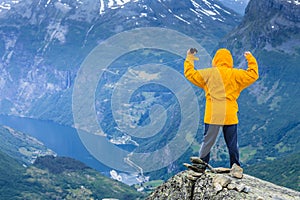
[[281, 147], [154, 183], [246, 153], [150, 186], [283, 171], [58, 178], [20, 146], [10, 178]]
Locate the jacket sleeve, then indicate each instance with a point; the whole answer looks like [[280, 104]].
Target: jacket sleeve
[[194, 76], [246, 77]]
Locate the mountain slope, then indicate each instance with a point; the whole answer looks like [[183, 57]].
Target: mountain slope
[[10, 171], [21, 147], [236, 5], [286, 168], [268, 25], [44, 42], [271, 103], [269, 117], [74, 180]]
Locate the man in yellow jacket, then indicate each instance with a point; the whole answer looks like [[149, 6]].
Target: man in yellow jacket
[[222, 85]]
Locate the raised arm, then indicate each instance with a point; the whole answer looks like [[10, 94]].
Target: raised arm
[[190, 73], [246, 77]]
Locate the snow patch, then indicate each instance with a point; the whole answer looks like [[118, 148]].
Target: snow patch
[[194, 11], [102, 7], [143, 15], [207, 3], [162, 15], [5, 6], [296, 2], [62, 7], [208, 12], [182, 19], [195, 4], [113, 4], [217, 6], [48, 2]]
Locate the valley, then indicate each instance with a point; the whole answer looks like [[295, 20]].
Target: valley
[[45, 44]]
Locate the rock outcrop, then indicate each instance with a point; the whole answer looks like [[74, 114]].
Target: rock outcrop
[[219, 187], [269, 25]]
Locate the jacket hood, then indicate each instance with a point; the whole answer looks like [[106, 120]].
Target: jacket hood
[[222, 58]]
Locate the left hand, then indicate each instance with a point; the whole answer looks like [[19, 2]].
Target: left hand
[[191, 56]]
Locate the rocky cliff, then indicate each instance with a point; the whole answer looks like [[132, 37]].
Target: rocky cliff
[[269, 25], [188, 185]]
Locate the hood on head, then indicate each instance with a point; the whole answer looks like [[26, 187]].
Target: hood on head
[[222, 58]]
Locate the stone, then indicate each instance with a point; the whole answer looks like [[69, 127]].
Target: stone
[[222, 180], [201, 164], [192, 178], [231, 186], [246, 189], [222, 170], [194, 168], [240, 187], [218, 187], [195, 174], [236, 171], [197, 160]]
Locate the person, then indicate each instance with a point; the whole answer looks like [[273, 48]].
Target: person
[[222, 85]]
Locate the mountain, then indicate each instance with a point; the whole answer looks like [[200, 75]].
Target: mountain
[[43, 43], [269, 117], [29, 170], [238, 6], [286, 168], [219, 187], [21, 147], [270, 25], [58, 178]]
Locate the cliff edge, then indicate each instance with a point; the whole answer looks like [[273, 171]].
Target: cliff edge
[[189, 185]]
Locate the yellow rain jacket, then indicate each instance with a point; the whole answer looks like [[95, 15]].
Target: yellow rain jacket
[[222, 85]]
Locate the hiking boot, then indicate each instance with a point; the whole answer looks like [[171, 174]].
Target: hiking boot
[[236, 171]]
